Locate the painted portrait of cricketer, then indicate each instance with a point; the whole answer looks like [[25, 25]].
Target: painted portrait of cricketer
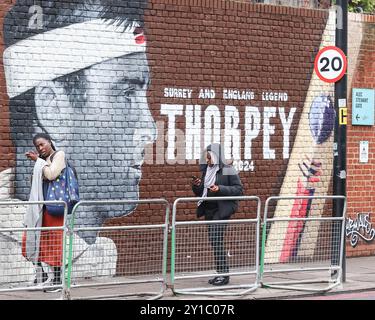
[[78, 71]]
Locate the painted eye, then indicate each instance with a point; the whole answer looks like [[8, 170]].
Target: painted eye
[[128, 92]]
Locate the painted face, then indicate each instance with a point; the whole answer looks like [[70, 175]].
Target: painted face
[[118, 123], [43, 147], [105, 134]]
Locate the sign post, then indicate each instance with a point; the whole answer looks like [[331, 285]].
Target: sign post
[[330, 66], [339, 159]]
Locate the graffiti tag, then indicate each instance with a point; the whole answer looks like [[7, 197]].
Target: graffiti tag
[[359, 228]]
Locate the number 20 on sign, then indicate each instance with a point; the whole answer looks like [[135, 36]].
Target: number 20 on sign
[[330, 64]]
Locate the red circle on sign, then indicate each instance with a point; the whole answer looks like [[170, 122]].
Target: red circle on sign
[[343, 57]]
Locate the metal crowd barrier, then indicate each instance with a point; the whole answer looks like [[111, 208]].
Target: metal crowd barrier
[[299, 248], [192, 260], [132, 260], [17, 273], [304, 249]]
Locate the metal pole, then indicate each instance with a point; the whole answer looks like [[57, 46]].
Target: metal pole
[[339, 159]]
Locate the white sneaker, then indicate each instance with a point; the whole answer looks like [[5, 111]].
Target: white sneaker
[[50, 275], [54, 286], [48, 282], [39, 277], [53, 289]]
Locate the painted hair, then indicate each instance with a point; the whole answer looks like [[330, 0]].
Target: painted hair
[[58, 14], [55, 15]]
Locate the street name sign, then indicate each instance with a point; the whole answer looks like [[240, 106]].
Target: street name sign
[[363, 106]]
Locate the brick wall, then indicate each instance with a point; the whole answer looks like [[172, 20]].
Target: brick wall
[[360, 183], [7, 150], [227, 45], [199, 53]]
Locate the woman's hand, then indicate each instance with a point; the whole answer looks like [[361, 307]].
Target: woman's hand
[[197, 182], [32, 155], [214, 188]]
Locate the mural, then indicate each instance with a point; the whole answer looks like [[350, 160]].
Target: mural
[[321, 121], [79, 72], [89, 95], [133, 114], [314, 141]]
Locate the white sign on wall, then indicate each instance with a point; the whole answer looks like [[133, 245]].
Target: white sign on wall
[[363, 151]]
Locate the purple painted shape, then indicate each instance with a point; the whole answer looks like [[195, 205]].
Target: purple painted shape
[[321, 118]]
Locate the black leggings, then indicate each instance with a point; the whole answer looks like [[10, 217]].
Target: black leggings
[[216, 235]]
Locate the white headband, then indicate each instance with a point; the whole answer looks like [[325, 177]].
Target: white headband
[[61, 51]]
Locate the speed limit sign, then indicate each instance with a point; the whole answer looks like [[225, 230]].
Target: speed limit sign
[[330, 64]]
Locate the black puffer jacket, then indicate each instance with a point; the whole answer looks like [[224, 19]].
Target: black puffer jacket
[[229, 185]]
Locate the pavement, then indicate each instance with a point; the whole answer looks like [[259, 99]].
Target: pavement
[[359, 277]]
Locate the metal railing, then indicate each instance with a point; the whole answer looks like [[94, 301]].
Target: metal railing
[[18, 273], [304, 249], [135, 255], [133, 258], [191, 254]]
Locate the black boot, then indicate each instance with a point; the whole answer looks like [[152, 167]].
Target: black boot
[[57, 276], [56, 280], [44, 274], [221, 281], [211, 281]]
